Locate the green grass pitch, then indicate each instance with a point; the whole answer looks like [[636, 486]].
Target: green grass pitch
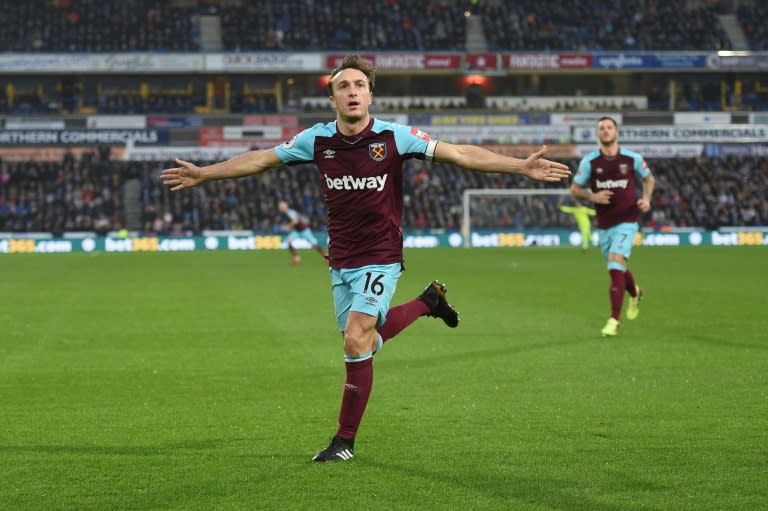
[[206, 381]]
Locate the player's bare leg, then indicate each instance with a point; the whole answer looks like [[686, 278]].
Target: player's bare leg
[[295, 257], [360, 342]]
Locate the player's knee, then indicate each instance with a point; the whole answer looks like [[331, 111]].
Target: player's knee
[[613, 257], [357, 342]]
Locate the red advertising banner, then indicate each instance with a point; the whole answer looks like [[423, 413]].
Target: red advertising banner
[[222, 136], [287, 121], [407, 61], [482, 61], [575, 61], [209, 136], [548, 61]]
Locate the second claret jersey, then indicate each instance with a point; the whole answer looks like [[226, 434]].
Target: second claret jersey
[[619, 174]]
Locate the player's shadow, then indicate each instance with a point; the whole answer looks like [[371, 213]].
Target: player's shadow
[[437, 359], [551, 493], [719, 341]]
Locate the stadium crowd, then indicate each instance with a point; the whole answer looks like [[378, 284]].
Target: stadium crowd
[[337, 25], [74, 194], [602, 25], [333, 25], [86, 194], [155, 25], [97, 26]]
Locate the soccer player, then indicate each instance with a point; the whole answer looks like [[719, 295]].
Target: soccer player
[[607, 177], [298, 229], [360, 162], [581, 213]]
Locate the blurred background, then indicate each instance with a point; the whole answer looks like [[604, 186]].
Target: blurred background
[[97, 97]]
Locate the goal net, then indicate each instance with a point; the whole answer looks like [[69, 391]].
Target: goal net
[[517, 209]]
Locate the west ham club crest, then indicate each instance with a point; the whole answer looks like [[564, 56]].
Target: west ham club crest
[[377, 151]]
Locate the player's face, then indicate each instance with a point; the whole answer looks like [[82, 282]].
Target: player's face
[[607, 132], [351, 95]]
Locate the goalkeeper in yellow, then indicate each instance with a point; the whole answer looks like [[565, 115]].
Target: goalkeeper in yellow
[[581, 214]]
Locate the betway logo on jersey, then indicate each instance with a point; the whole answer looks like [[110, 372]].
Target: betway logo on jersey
[[612, 183], [356, 183]]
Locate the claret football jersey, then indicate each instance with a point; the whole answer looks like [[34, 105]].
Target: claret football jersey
[[362, 181], [618, 174]]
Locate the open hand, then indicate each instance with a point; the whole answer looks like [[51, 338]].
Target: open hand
[[186, 175], [536, 167]]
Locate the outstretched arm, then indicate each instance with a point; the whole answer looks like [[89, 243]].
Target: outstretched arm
[[188, 175], [482, 160]]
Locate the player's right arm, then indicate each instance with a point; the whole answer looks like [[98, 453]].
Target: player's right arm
[[188, 175], [581, 193], [479, 159], [578, 186]]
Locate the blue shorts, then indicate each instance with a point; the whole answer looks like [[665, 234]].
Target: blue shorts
[[367, 289], [618, 239], [306, 234]]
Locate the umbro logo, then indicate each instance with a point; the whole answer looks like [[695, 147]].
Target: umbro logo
[[329, 154]]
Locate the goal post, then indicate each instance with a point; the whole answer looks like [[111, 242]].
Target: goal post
[[469, 193]]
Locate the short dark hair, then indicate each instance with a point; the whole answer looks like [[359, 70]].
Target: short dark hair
[[354, 62], [608, 118]]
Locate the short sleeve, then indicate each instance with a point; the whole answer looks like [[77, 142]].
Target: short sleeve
[[298, 149], [641, 168], [413, 141], [584, 172]]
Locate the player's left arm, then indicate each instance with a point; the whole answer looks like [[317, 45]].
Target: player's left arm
[[644, 202], [473, 157]]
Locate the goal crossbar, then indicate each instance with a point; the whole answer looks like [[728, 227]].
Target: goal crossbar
[[466, 227]]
